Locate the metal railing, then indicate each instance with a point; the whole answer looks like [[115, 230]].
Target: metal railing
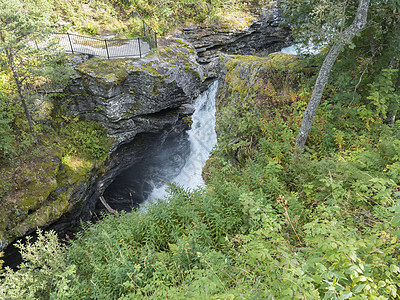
[[110, 48]]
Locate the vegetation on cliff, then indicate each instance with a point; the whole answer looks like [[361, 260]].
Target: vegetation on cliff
[[34, 146], [119, 17], [47, 153], [271, 224]]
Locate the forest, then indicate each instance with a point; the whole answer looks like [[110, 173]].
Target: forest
[[274, 221]]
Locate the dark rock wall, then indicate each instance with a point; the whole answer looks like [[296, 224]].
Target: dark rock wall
[[265, 35]]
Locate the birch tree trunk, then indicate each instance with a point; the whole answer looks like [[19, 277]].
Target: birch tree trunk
[[359, 22]]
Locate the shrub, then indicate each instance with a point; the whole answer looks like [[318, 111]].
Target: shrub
[[86, 138], [43, 271]]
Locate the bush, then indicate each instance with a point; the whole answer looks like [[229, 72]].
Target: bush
[[86, 138], [43, 272]]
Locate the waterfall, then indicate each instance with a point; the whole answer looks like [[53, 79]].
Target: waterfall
[[202, 139]]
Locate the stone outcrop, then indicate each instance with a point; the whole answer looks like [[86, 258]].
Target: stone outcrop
[[141, 103], [129, 96], [264, 33]]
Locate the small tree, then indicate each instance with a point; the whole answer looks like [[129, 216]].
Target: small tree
[[330, 31], [22, 23]]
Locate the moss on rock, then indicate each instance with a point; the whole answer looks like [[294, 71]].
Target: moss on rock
[[43, 187], [256, 90], [55, 178], [104, 70], [252, 77]]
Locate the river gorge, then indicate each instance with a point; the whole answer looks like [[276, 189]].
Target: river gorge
[[159, 111]]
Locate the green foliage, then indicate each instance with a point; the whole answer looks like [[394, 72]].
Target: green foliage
[[261, 102], [1, 261], [233, 239], [16, 138], [349, 265], [90, 28], [87, 16], [97, 17], [23, 24], [23, 21], [382, 92], [43, 269], [270, 224], [88, 139], [6, 138]]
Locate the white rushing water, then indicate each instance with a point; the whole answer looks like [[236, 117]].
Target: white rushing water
[[298, 49], [202, 138]]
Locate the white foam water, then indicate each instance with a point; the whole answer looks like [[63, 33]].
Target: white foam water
[[202, 138]]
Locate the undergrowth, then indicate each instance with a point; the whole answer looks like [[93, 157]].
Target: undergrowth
[[118, 17], [271, 224]]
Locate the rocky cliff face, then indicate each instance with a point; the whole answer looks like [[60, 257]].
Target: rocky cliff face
[[140, 102], [129, 96], [264, 33], [143, 104]]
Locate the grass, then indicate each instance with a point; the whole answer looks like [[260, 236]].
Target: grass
[[104, 18]]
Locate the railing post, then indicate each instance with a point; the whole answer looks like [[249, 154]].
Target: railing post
[[70, 43], [155, 39], [108, 55], [140, 51]]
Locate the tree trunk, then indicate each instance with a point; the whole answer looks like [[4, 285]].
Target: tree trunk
[[359, 22], [17, 80]]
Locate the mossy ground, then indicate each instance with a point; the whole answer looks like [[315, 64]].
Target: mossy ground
[[270, 81], [37, 184], [105, 70]]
